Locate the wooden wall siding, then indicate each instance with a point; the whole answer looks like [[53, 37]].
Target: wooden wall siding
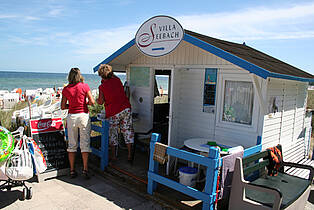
[[174, 142], [237, 137], [138, 107], [308, 131], [287, 125], [190, 119], [184, 54], [294, 152], [146, 99], [127, 57]]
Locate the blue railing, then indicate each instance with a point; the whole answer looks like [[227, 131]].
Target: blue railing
[[254, 149], [102, 152], [212, 164]]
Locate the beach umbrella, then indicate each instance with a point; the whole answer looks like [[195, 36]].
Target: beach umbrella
[[19, 91]]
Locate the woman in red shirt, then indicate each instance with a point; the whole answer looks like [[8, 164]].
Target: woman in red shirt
[[76, 93], [118, 109]]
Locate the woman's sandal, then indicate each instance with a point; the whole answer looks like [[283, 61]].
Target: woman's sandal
[[73, 174], [85, 174], [130, 160]]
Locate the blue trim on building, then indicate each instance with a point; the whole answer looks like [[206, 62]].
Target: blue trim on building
[[116, 54], [227, 56], [282, 76], [220, 53]]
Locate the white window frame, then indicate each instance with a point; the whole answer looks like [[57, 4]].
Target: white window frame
[[220, 102]]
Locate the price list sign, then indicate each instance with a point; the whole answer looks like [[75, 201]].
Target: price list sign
[[49, 136]]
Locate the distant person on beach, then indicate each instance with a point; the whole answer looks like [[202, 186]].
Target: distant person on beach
[[58, 94], [118, 109], [161, 91], [74, 97]]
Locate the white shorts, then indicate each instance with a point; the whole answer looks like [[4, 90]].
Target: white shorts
[[79, 124]]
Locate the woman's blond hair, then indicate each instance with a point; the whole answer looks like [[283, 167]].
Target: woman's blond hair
[[105, 71], [74, 76], [82, 79]]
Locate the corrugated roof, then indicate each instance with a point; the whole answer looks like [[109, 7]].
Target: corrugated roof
[[253, 56]]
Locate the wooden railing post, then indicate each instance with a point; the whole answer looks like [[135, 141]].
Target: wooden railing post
[[153, 165], [104, 146], [211, 177]]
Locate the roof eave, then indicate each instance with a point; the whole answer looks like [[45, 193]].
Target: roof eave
[[227, 56], [218, 52], [289, 77], [116, 54]]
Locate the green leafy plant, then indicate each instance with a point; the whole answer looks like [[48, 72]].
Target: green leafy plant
[[94, 110]]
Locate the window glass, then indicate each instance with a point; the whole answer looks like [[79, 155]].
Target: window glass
[[209, 90], [238, 102]]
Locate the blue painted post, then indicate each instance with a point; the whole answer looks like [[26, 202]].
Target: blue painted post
[[211, 177], [254, 149], [104, 145], [153, 165], [259, 140]]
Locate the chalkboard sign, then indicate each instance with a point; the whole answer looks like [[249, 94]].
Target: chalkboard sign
[[49, 136], [209, 90], [209, 95]]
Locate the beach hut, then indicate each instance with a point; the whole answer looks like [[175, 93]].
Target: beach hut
[[227, 92], [10, 99], [2, 92]]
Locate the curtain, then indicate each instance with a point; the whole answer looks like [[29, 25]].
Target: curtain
[[238, 102]]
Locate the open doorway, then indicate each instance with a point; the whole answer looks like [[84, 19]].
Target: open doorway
[[161, 103], [149, 97]]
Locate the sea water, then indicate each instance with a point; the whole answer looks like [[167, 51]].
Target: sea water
[[9, 80]]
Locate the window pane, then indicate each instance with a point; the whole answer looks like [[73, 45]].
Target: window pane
[[238, 102]]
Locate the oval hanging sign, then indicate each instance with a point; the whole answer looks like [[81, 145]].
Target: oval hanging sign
[[159, 36]]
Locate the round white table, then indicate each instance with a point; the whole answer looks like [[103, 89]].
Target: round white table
[[196, 144], [200, 144]]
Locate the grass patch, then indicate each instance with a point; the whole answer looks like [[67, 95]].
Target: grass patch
[[6, 116]]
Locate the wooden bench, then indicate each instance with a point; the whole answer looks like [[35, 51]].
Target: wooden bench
[[253, 188]]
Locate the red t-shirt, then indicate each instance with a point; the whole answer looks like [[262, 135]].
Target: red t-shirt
[[115, 98], [76, 95]]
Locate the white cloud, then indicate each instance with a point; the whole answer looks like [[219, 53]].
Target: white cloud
[[31, 18], [103, 41], [294, 22], [7, 16], [39, 41], [19, 17], [250, 24], [254, 23], [56, 11]]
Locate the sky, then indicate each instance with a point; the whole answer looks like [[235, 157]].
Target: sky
[[55, 35]]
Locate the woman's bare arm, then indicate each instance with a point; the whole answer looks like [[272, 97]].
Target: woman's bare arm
[[101, 98], [64, 104], [91, 100]]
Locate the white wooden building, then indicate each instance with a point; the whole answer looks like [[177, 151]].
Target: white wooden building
[[10, 100], [219, 90]]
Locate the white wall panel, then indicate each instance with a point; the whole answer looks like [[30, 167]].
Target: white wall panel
[[290, 97], [184, 54], [192, 121]]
